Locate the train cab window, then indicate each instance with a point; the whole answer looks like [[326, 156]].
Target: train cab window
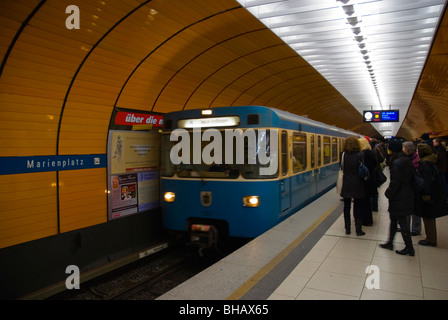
[[237, 154], [334, 150], [299, 152], [284, 153], [327, 150]]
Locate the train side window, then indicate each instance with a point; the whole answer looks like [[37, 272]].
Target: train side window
[[334, 149], [319, 151], [299, 158], [313, 151], [327, 150], [284, 153]]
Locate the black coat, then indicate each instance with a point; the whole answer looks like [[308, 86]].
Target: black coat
[[441, 158], [430, 200], [352, 186], [400, 191]]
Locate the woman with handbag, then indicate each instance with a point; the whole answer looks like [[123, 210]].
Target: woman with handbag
[[380, 177], [370, 183], [352, 186]]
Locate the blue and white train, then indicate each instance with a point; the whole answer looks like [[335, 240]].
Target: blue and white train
[[239, 171]]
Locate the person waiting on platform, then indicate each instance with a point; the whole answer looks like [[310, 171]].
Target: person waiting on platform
[[401, 198], [369, 184], [378, 153], [430, 201], [352, 186], [410, 149], [441, 154]]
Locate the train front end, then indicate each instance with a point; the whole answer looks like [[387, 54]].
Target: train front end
[[218, 178]]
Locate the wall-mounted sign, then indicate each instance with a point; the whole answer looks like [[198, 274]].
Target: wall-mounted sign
[[129, 118], [381, 116], [30, 164]]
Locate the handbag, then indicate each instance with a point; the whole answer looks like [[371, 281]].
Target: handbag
[[380, 177], [363, 171], [340, 176], [418, 183]]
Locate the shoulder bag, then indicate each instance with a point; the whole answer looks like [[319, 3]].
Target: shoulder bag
[[340, 176], [363, 171], [380, 177]]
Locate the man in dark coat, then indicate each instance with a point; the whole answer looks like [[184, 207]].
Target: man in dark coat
[[401, 198], [425, 139]]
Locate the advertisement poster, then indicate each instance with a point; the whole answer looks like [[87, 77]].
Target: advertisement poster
[[134, 151], [148, 190], [133, 165], [124, 195]]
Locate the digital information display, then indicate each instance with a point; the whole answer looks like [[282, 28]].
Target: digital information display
[[381, 116]]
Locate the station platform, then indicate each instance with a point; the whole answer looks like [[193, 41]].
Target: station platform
[[309, 257]]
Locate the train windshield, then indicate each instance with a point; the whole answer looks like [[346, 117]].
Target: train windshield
[[220, 154]]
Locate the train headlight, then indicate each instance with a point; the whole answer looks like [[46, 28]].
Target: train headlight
[[169, 196], [251, 201]]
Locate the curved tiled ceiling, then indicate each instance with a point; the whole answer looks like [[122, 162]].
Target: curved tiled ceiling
[[58, 87]]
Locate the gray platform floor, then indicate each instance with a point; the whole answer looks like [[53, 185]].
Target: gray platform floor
[[309, 256]]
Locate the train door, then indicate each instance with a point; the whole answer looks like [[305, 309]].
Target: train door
[[314, 167], [324, 172], [285, 181], [319, 172]]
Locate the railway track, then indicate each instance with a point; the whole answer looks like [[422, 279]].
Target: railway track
[[147, 288], [149, 277]]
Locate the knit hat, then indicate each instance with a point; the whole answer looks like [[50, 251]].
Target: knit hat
[[367, 138], [395, 146], [423, 150]]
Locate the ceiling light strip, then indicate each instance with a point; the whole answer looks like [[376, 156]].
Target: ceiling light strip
[[354, 22]]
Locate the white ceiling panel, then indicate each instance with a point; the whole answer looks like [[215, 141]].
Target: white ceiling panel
[[372, 52]]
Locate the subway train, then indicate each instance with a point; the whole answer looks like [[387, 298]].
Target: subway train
[[239, 171]]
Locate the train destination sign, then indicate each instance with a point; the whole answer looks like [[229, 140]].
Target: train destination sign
[[381, 115], [209, 122]]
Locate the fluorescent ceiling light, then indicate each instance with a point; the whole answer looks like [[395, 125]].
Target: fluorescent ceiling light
[[371, 51]]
